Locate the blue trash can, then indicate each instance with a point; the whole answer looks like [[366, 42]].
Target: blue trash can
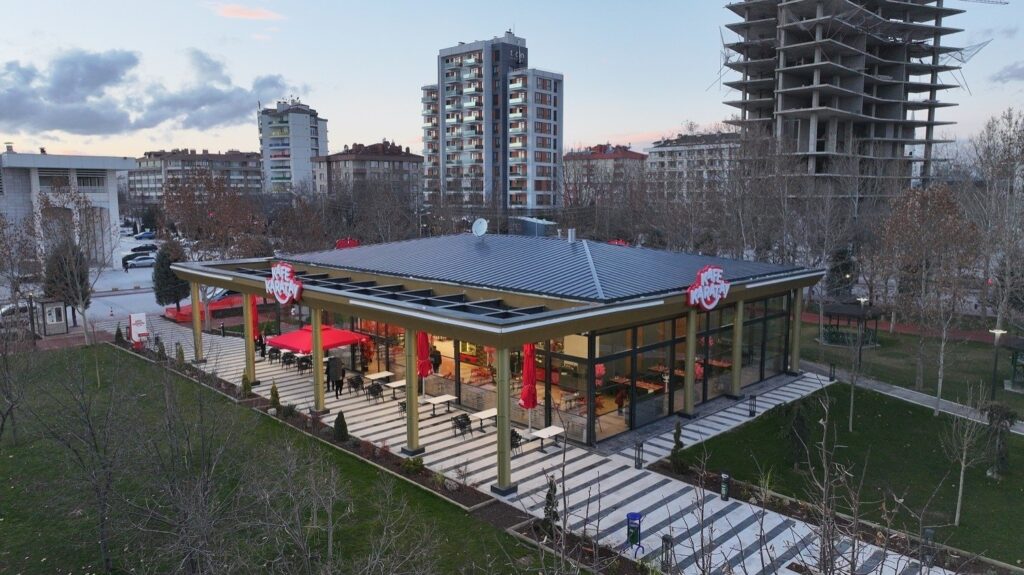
[[634, 533]]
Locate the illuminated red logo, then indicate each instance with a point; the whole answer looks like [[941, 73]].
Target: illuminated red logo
[[708, 289], [282, 283]]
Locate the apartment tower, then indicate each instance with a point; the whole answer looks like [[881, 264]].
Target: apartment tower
[[291, 135], [850, 87], [492, 128]]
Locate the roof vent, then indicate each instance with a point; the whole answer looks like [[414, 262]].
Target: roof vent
[[9, 146], [572, 235]]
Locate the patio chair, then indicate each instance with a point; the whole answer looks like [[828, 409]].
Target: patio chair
[[516, 441], [273, 354], [355, 383], [305, 364], [287, 358], [375, 391], [462, 424], [401, 408]]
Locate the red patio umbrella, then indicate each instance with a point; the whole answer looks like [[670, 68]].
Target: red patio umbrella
[[528, 396], [301, 340], [423, 354]]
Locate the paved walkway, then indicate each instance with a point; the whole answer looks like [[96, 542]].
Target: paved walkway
[[909, 395], [596, 490]]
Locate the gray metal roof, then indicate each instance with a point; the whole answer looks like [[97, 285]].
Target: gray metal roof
[[582, 270]]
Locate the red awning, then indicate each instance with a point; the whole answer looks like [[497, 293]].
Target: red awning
[[301, 340]]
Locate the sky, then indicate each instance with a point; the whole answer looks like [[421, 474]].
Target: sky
[[122, 78]]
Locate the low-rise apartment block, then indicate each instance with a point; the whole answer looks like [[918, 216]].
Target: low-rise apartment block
[[153, 170]]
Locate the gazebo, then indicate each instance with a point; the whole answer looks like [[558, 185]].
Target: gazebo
[[840, 316], [1016, 346]]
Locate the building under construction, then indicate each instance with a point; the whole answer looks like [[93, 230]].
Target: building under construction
[[850, 87]]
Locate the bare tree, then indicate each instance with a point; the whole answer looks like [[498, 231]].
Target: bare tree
[[402, 542], [964, 441], [85, 417]]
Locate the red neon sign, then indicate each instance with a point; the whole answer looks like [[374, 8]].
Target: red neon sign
[[708, 289], [282, 283]]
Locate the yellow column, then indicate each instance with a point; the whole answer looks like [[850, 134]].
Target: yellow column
[[412, 397], [737, 349], [797, 321], [691, 361], [197, 323], [504, 486], [249, 337], [316, 315]]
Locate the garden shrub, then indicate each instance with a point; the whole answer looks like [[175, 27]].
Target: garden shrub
[[340, 428]]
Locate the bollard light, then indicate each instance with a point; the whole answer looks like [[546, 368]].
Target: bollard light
[[831, 372], [929, 546], [725, 486], [752, 406], [222, 331], [666, 552], [638, 455]]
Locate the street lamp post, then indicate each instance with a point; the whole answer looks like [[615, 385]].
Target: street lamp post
[[860, 331], [996, 333]]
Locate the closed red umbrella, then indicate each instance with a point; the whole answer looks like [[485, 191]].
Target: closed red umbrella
[[423, 366], [528, 396], [254, 312]]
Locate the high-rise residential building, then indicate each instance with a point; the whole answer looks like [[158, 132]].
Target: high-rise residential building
[[676, 166], [50, 189], [384, 163], [492, 128], [850, 87], [597, 170], [291, 135], [146, 180]]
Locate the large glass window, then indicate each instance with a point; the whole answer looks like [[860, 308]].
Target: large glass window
[[613, 380], [615, 342], [651, 385]]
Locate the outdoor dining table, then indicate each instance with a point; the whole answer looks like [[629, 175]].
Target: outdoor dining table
[[394, 386], [491, 413], [548, 433], [379, 375], [445, 399]]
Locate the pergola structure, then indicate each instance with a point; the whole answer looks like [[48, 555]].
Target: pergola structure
[[505, 291]]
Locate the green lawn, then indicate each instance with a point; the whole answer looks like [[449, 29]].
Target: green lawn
[[48, 526], [900, 444], [967, 364]]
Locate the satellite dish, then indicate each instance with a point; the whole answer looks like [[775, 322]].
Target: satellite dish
[[479, 227]]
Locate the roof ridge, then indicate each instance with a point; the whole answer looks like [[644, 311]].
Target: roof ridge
[[593, 270]]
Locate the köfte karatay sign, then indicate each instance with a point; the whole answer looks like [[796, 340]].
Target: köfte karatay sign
[[708, 289], [282, 283]]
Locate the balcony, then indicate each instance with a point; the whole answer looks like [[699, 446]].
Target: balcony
[[472, 103], [471, 61], [429, 111], [429, 99], [471, 89], [472, 74], [517, 115], [452, 107], [426, 124], [517, 143], [517, 98], [473, 118], [475, 160], [519, 84], [517, 129], [519, 172], [517, 159]]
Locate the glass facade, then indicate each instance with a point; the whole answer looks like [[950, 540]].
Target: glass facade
[[598, 385]]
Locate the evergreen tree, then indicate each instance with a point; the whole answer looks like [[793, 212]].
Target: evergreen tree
[[167, 287], [340, 428]]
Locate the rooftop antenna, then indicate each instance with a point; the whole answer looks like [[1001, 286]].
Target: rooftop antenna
[[479, 227]]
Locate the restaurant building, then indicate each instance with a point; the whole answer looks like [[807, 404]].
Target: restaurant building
[[622, 336]]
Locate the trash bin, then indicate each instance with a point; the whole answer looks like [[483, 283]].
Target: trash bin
[[633, 534]]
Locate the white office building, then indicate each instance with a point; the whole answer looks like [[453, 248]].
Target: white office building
[[80, 190], [291, 135]]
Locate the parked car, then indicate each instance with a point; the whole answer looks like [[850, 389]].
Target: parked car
[[146, 236], [127, 233], [132, 256], [145, 248], [142, 262], [9, 310]]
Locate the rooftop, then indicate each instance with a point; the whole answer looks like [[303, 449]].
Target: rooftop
[[385, 149], [10, 159], [604, 152], [698, 140], [583, 270]]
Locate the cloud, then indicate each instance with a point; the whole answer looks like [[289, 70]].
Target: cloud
[[91, 93], [1009, 73], [239, 12]]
